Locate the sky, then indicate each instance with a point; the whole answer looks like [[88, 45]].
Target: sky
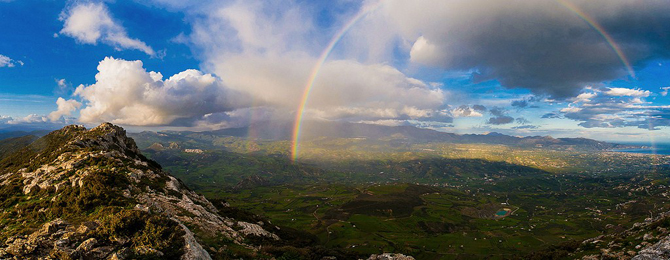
[[566, 68]]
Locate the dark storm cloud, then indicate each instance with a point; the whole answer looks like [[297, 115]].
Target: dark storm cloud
[[500, 120], [551, 115], [522, 121], [542, 45], [520, 103], [479, 108], [526, 102], [497, 111]]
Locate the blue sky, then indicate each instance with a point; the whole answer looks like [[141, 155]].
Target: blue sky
[[536, 69]]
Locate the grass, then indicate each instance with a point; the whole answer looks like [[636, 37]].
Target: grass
[[436, 227]]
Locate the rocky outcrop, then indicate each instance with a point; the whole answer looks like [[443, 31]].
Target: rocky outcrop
[[390, 256], [648, 240], [658, 251], [102, 171]]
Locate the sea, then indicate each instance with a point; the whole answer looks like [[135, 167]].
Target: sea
[[658, 148]]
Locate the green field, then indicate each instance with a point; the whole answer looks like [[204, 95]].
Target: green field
[[429, 200]]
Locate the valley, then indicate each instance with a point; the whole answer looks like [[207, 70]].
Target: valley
[[431, 200], [346, 197]]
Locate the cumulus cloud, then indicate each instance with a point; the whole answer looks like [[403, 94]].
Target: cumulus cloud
[[552, 115], [584, 97], [125, 93], [627, 92], [5, 119], [526, 102], [32, 122], [499, 117], [479, 108], [615, 107], [91, 23], [62, 84], [267, 49], [65, 108], [664, 91], [500, 120], [8, 62], [466, 111], [29, 119], [539, 45]]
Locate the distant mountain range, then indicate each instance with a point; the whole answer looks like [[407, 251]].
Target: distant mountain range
[[314, 130], [5, 134]]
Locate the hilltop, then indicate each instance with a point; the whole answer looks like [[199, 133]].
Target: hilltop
[[78, 193]]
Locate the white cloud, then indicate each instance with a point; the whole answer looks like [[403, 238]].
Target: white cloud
[[61, 83], [91, 23], [8, 62], [584, 97], [5, 119], [466, 111], [614, 108], [29, 119], [425, 52], [343, 88], [65, 108], [267, 49], [627, 92], [665, 91], [125, 93]]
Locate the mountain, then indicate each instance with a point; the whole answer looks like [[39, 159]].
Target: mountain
[[90, 194], [313, 130], [5, 134], [11, 145]]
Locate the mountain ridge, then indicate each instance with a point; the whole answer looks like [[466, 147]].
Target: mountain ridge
[[90, 193], [312, 130]]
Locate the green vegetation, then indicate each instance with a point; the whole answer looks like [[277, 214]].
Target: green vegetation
[[348, 197], [351, 193], [91, 197], [11, 145], [141, 229], [432, 222]]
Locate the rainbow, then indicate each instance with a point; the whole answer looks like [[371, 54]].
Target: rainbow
[[596, 26], [372, 7], [315, 72]]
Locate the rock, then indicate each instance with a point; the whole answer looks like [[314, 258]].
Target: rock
[[81, 153], [145, 250], [61, 242], [20, 247], [660, 250], [120, 255], [121, 240], [256, 230], [100, 252], [390, 256], [647, 237], [53, 226], [87, 227], [86, 246], [192, 249]]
